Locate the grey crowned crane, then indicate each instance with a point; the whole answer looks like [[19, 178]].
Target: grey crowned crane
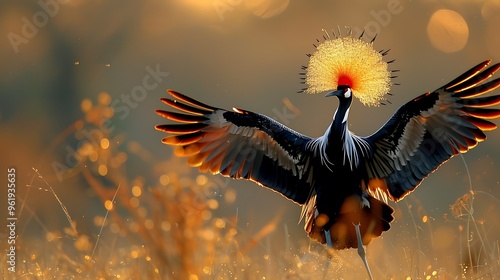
[[342, 180]]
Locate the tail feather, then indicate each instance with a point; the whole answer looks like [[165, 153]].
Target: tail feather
[[373, 219]]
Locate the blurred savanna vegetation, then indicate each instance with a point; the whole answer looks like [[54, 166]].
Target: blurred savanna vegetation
[[98, 196]]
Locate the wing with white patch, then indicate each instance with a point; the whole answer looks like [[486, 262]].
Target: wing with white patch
[[427, 131], [240, 145]]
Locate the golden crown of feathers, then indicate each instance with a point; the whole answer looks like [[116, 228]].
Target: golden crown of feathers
[[348, 61]]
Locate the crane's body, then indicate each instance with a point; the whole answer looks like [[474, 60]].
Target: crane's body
[[343, 181]]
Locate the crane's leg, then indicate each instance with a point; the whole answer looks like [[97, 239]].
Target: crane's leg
[[361, 250], [328, 238], [327, 264]]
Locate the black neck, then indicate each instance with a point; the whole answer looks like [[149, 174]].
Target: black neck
[[341, 115], [335, 133]]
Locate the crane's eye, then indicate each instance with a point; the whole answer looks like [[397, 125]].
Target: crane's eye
[[347, 92]]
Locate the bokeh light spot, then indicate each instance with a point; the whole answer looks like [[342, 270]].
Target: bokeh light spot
[[103, 170], [490, 9], [86, 105], [134, 254], [134, 202], [82, 243], [164, 180], [93, 156], [201, 180], [491, 35], [149, 224], [98, 221], [448, 31], [230, 196], [136, 191], [213, 204], [78, 125], [50, 236], [114, 228], [206, 215], [104, 98], [165, 226], [104, 143], [108, 204], [220, 223]]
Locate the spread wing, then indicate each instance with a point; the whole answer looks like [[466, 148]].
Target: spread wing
[[239, 144], [427, 131]]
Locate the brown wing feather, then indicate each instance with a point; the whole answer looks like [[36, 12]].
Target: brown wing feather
[[239, 144], [427, 131]]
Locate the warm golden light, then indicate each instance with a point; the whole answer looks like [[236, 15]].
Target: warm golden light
[[349, 61]]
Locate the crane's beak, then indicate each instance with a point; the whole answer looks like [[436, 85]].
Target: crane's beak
[[338, 92]]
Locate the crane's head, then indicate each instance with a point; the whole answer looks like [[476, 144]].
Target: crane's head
[[348, 66], [342, 92]]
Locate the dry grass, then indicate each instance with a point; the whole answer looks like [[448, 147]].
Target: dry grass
[[161, 224]]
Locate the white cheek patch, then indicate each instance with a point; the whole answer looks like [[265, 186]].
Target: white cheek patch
[[347, 93]]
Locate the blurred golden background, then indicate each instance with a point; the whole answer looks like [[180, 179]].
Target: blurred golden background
[[98, 195]]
